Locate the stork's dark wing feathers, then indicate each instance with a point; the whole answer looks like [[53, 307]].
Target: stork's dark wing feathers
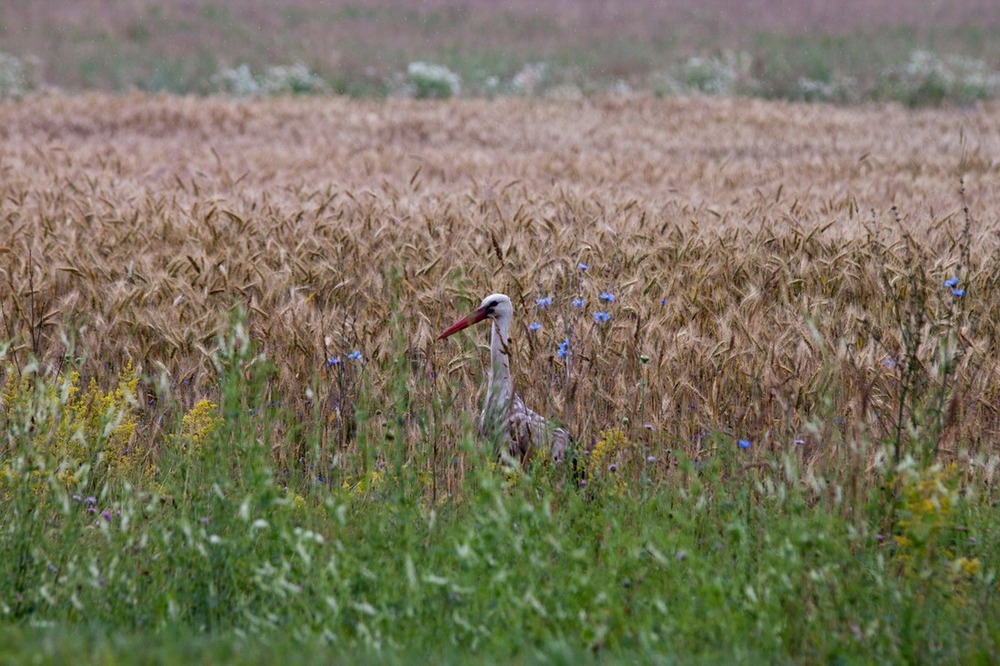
[[530, 433]]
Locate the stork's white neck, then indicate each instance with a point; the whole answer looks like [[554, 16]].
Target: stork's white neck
[[500, 388]]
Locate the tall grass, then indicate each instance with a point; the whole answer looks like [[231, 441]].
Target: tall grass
[[225, 415], [670, 556]]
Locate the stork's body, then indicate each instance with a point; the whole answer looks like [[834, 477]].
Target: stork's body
[[506, 421]]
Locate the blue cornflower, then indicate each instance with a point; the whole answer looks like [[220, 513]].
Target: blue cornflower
[[744, 443], [579, 302], [953, 282], [333, 360], [601, 317], [534, 326], [544, 302], [889, 362], [564, 349], [663, 301], [608, 296], [958, 293], [584, 267], [354, 355]]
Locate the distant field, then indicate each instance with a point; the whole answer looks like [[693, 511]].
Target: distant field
[[225, 413], [360, 47]]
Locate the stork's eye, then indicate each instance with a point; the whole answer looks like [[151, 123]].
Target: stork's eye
[[491, 305]]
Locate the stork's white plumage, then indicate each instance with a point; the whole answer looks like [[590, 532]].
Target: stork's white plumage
[[505, 420]]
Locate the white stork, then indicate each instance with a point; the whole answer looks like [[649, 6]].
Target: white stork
[[505, 419]]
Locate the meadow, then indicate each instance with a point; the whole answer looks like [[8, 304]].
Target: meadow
[[806, 49], [230, 434]]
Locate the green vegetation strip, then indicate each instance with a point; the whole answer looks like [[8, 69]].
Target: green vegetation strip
[[217, 556]]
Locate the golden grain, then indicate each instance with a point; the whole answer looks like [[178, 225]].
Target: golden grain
[[136, 223]]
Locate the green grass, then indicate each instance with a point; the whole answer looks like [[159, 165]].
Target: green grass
[[220, 554]]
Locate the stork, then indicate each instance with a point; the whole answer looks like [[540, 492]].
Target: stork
[[505, 419]]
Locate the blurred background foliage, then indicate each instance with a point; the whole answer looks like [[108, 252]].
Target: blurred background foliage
[[805, 50]]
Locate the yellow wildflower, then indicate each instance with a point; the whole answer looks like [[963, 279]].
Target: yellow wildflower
[[966, 566], [198, 425]]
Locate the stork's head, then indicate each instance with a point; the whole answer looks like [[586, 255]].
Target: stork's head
[[496, 307]]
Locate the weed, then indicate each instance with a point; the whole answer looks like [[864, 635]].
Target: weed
[[931, 79], [430, 81], [17, 76], [275, 81]]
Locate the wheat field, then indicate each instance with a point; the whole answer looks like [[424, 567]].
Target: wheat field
[[724, 228]]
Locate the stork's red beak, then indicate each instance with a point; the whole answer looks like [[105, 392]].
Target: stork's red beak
[[475, 317]]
